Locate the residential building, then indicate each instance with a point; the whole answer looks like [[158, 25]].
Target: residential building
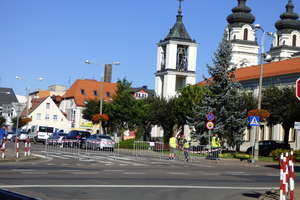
[[142, 92], [75, 98], [7, 98], [44, 112]]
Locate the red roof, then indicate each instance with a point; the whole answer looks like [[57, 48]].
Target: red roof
[[89, 87], [279, 68]]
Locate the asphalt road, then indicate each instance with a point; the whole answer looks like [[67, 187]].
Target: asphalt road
[[63, 176]]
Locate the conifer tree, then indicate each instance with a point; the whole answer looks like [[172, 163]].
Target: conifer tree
[[224, 99]]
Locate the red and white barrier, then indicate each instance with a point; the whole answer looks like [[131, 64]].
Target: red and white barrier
[[3, 148], [287, 176], [27, 147], [17, 147]]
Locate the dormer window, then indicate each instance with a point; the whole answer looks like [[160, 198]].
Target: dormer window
[[82, 91], [294, 40], [108, 94], [245, 34], [95, 93]]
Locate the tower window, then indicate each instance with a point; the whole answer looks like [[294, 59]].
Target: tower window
[[245, 34], [294, 40], [234, 37], [278, 39]]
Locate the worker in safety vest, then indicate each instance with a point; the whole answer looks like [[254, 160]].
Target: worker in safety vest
[[173, 145], [186, 148], [216, 145]]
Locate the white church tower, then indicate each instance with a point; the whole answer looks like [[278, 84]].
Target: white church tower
[[241, 33], [176, 60], [286, 40]]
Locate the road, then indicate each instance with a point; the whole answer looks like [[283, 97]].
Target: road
[[63, 176]]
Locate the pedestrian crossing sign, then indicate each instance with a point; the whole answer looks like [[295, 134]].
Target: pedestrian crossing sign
[[254, 121]]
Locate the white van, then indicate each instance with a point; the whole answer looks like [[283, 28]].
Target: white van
[[42, 132]]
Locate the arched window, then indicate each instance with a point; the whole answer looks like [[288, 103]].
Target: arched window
[[294, 40], [278, 40], [234, 37], [245, 34]]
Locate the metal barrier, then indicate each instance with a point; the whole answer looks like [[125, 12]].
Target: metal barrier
[[144, 149], [82, 149]]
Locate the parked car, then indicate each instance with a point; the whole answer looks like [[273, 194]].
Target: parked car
[[78, 135], [56, 138], [267, 146], [11, 136], [42, 133], [99, 142]]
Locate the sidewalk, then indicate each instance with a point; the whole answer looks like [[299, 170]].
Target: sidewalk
[[11, 155], [274, 195]]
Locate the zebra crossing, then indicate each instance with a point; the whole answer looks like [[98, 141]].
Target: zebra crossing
[[95, 158]]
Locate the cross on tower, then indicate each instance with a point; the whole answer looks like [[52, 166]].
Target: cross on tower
[[180, 5]]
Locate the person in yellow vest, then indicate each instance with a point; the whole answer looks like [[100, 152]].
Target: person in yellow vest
[[173, 145], [216, 145], [186, 148]]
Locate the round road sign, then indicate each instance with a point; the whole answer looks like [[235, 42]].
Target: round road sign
[[298, 88], [210, 116], [210, 125]]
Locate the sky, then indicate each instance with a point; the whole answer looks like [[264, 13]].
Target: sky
[[52, 38]]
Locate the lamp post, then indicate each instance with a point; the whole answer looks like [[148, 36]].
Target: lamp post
[[263, 57], [101, 91], [27, 92]]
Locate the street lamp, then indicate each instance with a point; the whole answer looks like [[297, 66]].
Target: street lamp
[[101, 91], [27, 91], [263, 57]]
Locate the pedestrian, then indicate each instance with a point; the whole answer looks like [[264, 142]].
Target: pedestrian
[[186, 148], [3, 134], [173, 145], [216, 145]]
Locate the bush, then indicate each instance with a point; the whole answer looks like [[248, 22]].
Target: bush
[[127, 144], [275, 154]]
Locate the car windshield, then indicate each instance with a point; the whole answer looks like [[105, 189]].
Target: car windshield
[[46, 129]]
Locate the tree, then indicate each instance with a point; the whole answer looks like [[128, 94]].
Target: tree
[[284, 107], [2, 121], [189, 96], [224, 99], [23, 121]]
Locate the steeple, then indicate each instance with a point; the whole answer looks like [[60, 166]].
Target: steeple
[[178, 31], [289, 20], [241, 15]]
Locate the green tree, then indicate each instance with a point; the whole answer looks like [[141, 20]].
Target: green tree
[[225, 100], [188, 98], [2, 121], [283, 106], [164, 115]]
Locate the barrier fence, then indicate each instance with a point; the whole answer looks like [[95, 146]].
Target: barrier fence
[[145, 149], [287, 176], [82, 149], [15, 148]]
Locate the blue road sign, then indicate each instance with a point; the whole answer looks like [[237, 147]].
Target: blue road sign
[[254, 121], [210, 116]]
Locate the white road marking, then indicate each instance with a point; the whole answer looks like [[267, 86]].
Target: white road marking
[[23, 170], [35, 173], [178, 173], [85, 173], [61, 157], [133, 173], [113, 170], [139, 186]]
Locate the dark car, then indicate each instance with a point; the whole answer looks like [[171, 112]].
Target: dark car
[[56, 138], [267, 146], [78, 135]]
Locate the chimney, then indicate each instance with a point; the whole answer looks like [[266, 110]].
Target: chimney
[[108, 73]]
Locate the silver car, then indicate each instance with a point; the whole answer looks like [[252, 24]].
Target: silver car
[[99, 142]]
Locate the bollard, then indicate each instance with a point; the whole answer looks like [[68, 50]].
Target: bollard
[[25, 148], [3, 148], [292, 176], [17, 147]]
